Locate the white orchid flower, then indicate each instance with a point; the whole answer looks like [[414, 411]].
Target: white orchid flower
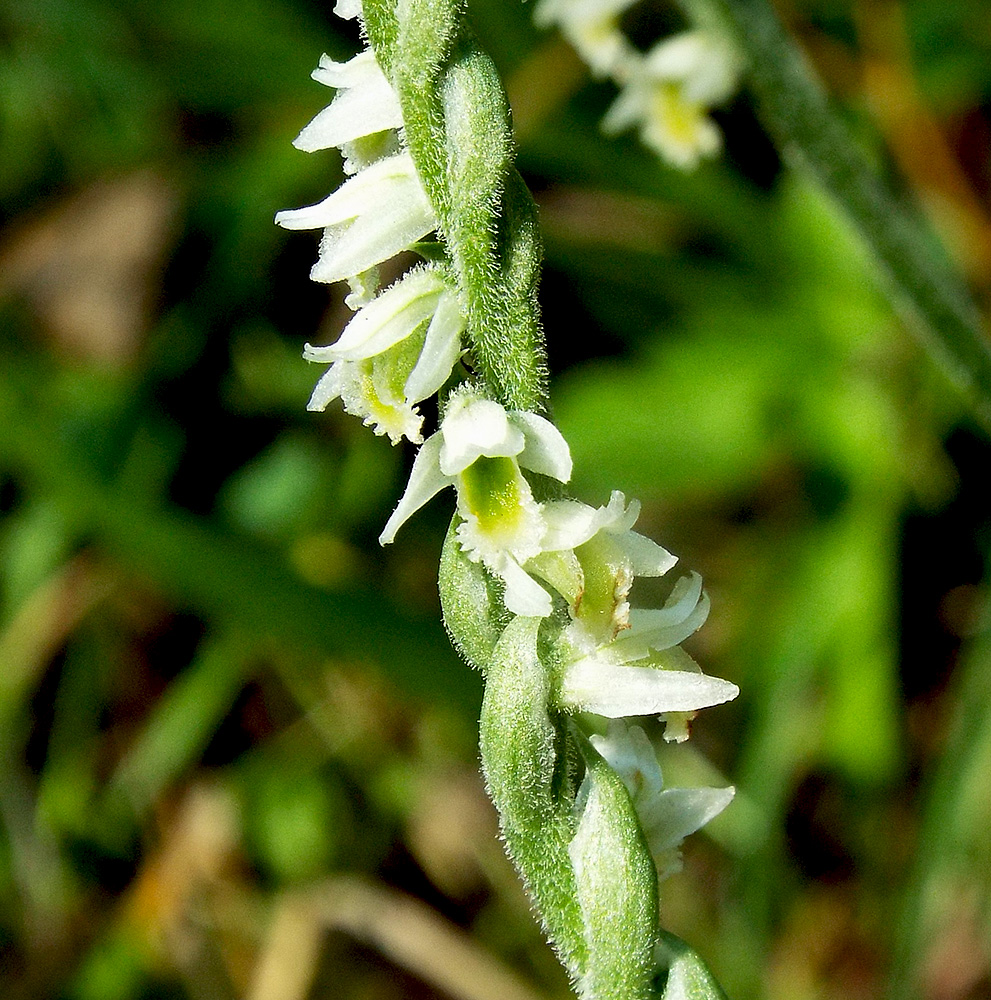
[[668, 95], [644, 671], [667, 815], [592, 28], [365, 106], [397, 350], [617, 660], [480, 449], [368, 219]]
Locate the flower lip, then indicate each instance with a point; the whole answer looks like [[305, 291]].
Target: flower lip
[[617, 690]]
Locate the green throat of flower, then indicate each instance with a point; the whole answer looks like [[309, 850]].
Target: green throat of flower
[[496, 496]]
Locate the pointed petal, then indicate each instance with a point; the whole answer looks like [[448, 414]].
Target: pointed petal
[[645, 636], [615, 691], [546, 450], [441, 349], [677, 813], [330, 386], [684, 614], [618, 516], [524, 596], [390, 317], [647, 558], [425, 481]]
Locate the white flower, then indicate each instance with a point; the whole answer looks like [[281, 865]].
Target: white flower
[[601, 539], [617, 660], [480, 449], [364, 106], [592, 28], [397, 350], [371, 217], [666, 815], [669, 94], [644, 671]]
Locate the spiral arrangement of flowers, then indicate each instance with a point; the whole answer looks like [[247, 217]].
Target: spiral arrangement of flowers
[[535, 587]]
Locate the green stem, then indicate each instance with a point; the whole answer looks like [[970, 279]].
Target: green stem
[[920, 282], [458, 130]]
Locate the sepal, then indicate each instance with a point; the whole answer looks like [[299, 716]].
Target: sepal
[[616, 690]]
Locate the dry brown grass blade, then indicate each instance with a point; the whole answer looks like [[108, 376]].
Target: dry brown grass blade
[[404, 930]]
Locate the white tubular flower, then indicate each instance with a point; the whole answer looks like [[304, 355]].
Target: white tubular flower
[[666, 815], [592, 28], [480, 449], [669, 94], [371, 217], [365, 106], [397, 350]]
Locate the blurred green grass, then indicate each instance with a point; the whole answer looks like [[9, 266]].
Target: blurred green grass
[[219, 697]]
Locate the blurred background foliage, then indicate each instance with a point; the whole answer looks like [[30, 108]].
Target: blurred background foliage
[[237, 757]]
